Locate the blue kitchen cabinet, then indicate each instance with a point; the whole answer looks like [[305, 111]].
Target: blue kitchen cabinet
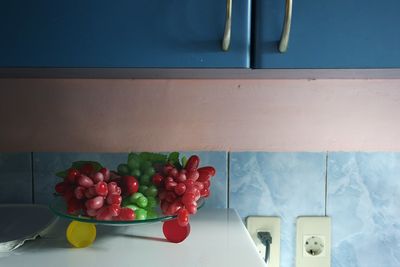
[[328, 34], [122, 34]]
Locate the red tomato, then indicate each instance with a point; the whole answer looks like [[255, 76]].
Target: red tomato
[[71, 176], [175, 233], [183, 217], [157, 179], [192, 163], [205, 173], [130, 185], [87, 169]]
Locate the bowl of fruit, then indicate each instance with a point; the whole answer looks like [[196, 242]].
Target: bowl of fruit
[[148, 188]]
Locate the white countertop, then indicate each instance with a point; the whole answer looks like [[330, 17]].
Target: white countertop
[[218, 238]]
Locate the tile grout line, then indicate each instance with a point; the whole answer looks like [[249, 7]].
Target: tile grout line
[[326, 182], [33, 180], [228, 166]]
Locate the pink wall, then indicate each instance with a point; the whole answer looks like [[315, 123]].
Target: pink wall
[[162, 115]]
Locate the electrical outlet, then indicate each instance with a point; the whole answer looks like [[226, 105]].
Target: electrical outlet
[[272, 225], [313, 242], [314, 246]]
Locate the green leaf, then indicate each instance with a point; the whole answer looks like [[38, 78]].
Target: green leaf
[[133, 156], [152, 157], [62, 174], [173, 158], [78, 164], [184, 161]]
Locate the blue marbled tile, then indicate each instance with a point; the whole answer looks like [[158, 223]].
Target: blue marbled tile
[[364, 202], [15, 178], [47, 164], [219, 183], [287, 185]]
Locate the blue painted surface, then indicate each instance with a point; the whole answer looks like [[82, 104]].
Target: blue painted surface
[[127, 33], [364, 202], [15, 178], [47, 164], [329, 34], [287, 185]]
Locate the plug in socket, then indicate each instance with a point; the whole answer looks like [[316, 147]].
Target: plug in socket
[[272, 225]]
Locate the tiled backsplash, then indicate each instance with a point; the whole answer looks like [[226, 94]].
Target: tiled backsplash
[[278, 184], [359, 191], [16, 177], [364, 203]]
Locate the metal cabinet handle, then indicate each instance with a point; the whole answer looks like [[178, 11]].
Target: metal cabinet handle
[[283, 44], [228, 24]]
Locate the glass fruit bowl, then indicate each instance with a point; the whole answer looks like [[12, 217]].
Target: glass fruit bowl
[[58, 206]]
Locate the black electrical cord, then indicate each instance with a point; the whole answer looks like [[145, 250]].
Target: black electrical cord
[[266, 240]]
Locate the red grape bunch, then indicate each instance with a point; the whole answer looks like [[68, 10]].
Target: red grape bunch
[[93, 192], [180, 189]]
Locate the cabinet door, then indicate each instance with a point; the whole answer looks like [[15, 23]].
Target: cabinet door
[[329, 34], [123, 33]]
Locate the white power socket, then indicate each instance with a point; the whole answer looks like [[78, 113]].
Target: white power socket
[[313, 242], [272, 225]]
